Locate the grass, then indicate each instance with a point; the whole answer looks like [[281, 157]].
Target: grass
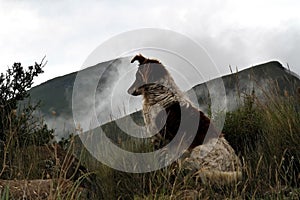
[[5, 194], [265, 133], [38, 171]]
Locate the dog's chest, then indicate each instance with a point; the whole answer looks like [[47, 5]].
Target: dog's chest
[[150, 113]]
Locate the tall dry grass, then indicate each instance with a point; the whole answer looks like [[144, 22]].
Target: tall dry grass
[[265, 133]]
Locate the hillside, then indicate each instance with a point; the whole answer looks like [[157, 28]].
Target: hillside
[[268, 76], [56, 94]]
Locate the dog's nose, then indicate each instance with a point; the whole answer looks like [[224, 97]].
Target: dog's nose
[[131, 91], [134, 92]]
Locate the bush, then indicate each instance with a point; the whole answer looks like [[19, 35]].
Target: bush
[[265, 132], [19, 126], [243, 127]]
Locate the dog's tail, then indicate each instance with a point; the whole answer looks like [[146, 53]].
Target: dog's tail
[[219, 177]]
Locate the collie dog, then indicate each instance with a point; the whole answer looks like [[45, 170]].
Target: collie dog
[[170, 117]]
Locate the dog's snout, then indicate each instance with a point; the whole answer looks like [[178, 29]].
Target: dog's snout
[[130, 90], [133, 91]]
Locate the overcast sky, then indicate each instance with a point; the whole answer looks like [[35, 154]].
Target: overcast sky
[[236, 33]]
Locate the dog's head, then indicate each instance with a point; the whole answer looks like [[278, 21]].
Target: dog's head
[[150, 72]]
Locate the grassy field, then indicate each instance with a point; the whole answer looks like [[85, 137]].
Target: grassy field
[[264, 132]]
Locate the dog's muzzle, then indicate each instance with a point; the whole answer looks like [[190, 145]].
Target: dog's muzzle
[[133, 91]]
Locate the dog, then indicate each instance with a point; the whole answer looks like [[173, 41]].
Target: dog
[[168, 113], [166, 110]]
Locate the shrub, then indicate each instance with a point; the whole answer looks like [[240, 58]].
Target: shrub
[[19, 126]]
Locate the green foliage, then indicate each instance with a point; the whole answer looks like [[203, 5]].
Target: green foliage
[[266, 132], [243, 127], [5, 195], [15, 83], [16, 122], [19, 125]]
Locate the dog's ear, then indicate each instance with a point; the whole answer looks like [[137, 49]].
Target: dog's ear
[[139, 58]]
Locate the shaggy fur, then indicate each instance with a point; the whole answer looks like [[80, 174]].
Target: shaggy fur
[[166, 110], [168, 113], [215, 161]]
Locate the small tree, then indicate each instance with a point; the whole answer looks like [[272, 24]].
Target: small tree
[[18, 125]]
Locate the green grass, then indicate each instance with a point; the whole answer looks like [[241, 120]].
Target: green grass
[[5, 193]]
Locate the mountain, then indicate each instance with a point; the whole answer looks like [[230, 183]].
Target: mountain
[[56, 94], [270, 76]]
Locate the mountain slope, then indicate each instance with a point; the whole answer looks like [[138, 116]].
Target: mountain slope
[[268, 76], [56, 94]]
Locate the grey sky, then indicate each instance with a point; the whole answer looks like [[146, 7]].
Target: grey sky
[[239, 33]]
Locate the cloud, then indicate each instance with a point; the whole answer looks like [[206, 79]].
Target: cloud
[[233, 32]]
